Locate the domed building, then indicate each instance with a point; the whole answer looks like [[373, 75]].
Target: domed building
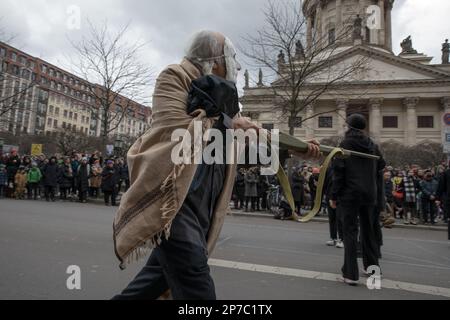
[[404, 97]]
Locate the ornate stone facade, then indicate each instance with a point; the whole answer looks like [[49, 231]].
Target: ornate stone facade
[[403, 97]]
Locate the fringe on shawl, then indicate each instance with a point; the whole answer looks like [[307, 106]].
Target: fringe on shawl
[[169, 206]]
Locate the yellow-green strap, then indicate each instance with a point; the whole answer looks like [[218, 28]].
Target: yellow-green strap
[[322, 177]]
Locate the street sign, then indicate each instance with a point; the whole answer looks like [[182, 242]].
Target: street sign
[[447, 119], [36, 149], [446, 140], [110, 149]]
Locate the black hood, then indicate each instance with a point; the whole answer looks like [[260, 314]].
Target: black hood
[[356, 140]]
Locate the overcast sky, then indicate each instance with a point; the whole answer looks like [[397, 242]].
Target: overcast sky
[[40, 26]]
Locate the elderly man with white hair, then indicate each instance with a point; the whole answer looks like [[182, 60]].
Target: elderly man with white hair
[[178, 209]]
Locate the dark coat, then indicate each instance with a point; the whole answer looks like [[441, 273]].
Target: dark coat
[[124, 174], [355, 179], [250, 185], [109, 179], [82, 177], [239, 187], [50, 174], [65, 176], [298, 187]]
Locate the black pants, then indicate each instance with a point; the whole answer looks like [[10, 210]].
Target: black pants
[[110, 195], [428, 210], [33, 190], [336, 231], [177, 265], [63, 192], [49, 193], [253, 202], [349, 214], [82, 195]]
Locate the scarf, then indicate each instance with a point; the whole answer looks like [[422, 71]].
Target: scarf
[[410, 190], [158, 187]]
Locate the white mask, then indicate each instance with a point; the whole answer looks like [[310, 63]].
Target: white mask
[[233, 67]]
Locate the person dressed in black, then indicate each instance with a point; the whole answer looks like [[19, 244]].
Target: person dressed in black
[[336, 231], [355, 195], [110, 177], [239, 190], [443, 195], [50, 181], [298, 189]]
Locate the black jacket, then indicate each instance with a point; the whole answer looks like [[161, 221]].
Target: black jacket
[[50, 173], [355, 179], [443, 192], [109, 179]]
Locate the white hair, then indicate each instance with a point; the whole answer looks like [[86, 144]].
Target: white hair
[[204, 49]]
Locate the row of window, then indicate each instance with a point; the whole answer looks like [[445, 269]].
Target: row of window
[[18, 58], [389, 122]]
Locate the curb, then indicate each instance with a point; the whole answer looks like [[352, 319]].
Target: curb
[[325, 220]]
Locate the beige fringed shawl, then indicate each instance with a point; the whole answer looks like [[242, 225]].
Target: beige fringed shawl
[[158, 187]]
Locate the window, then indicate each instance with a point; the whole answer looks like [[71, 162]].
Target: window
[[15, 70], [63, 125], [13, 56], [69, 126], [52, 73], [55, 123], [331, 36], [390, 122], [70, 115], [425, 122], [74, 128], [2, 52], [32, 64], [75, 116], [325, 122], [44, 68], [23, 60], [50, 109], [86, 131], [87, 120], [49, 121], [65, 113], [82, 119], [267, 126]]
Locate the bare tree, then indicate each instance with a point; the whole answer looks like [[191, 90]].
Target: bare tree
[[114, 74], [66, 141], [302, 69]]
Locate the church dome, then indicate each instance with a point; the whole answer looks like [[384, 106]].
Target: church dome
[[327, 19]]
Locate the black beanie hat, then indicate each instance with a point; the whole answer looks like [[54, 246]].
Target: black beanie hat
[[357, 121]]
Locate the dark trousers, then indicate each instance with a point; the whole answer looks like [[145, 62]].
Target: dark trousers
[[428, 210], [177, 265], [63, 192], [349, 214], [33, 190], [82, 195], [336, 231], [49, 193], [110, 195], [2, 188], [253, 201]]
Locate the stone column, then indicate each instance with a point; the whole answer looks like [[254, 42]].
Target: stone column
[[446, 104], [375, 118], [309, 36], [389, 5], [382, 31], [339, 26], [342, 105], [411, 121], [309, 124], [318, 39]]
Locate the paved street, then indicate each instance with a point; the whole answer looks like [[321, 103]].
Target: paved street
[[257, 258]]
